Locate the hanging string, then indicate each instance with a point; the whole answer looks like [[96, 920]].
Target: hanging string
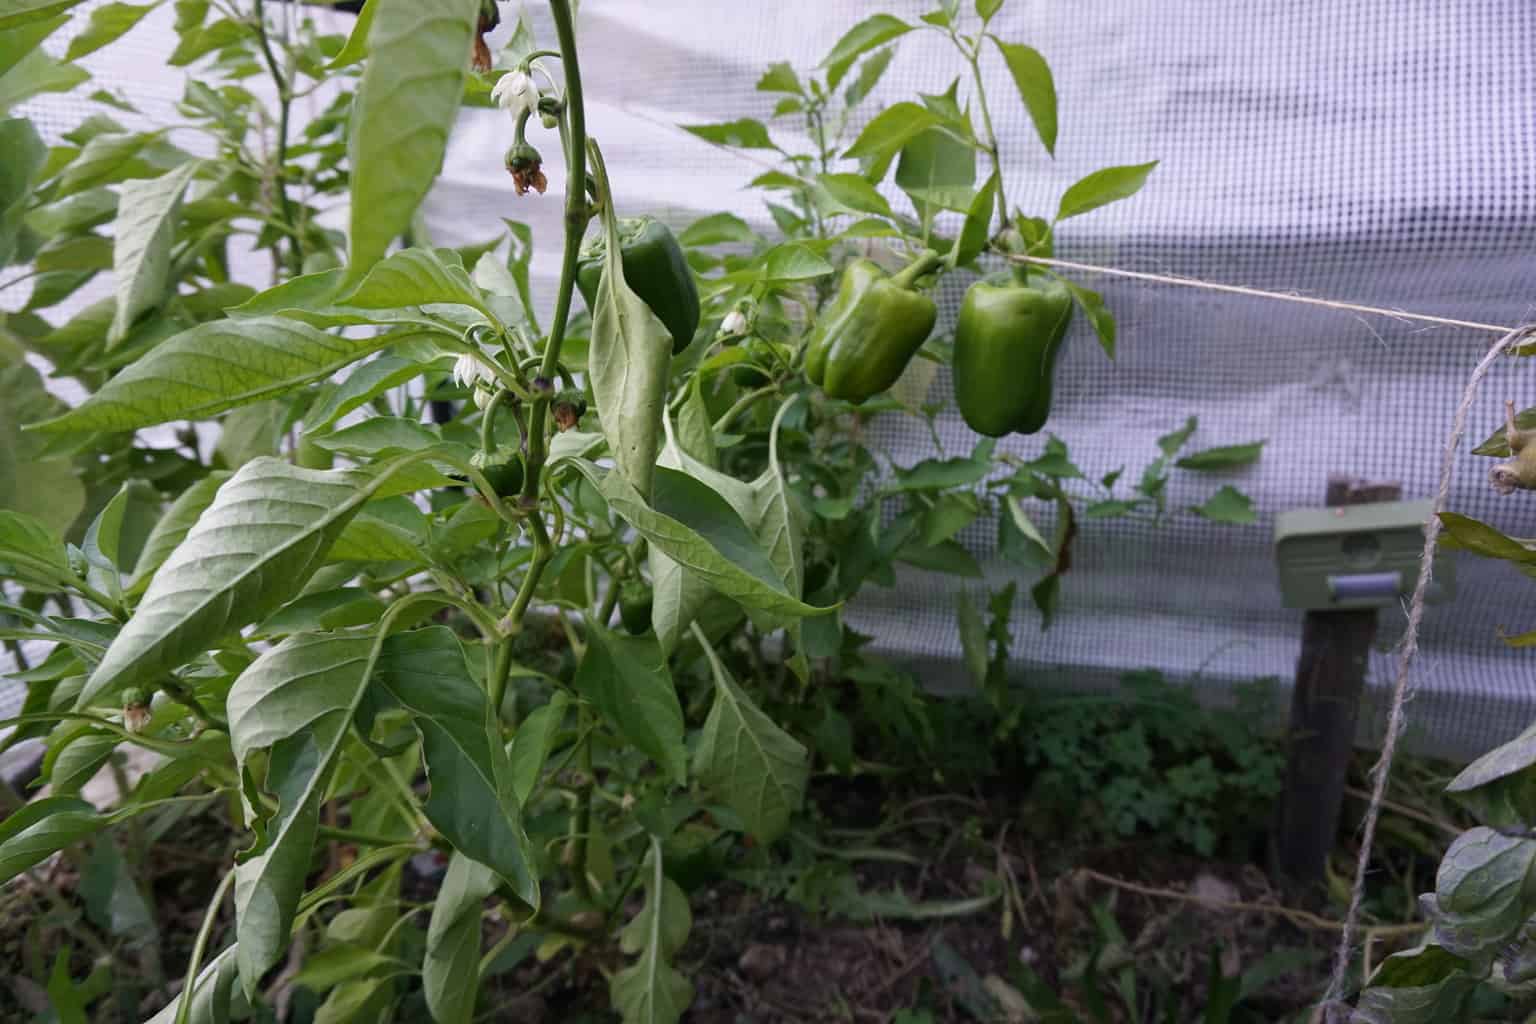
[[1232, 289]]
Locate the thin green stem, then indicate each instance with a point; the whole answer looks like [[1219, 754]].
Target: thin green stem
[[579, 880], [743, 403], [200, 946], [280, 169], [973, 58]]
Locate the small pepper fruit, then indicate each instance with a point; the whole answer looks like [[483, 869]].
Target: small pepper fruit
[[503, 470], [1519, 472], [1007, 338], [874, 326], [635, 606], [655, 269]]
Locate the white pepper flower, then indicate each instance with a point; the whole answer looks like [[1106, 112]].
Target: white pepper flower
[[735, 323], [515, 92], [467, 370], [482, 396]]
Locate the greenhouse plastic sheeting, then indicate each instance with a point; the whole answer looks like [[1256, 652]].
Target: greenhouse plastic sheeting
[[1378, 152]]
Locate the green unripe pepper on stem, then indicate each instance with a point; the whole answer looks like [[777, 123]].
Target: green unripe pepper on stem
[[656, 270], [635, 600], [1007, 338], [873, 328]]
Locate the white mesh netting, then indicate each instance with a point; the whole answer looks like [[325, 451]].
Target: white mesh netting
[[1377, 151]]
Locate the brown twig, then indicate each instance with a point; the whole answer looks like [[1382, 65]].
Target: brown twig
[[1299, 918]]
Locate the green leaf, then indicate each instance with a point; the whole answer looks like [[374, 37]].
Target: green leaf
[[450, 971], [873, 31], [295, 701], [869, 76], [631, 352], [368, 381], [947, 474], [215, 995], [172, 528], [213, 367], [23, 157], [1032, 77], [1469, 534], [471, 800], [1228, 456], [793, 261], [757, 768], [532, 743], [985, 9], [743, 133], [269, 527], [415, 277], [779, 77], [977, 230], [938, 172], [892, 129], [19, 12], [141, 251], [33, 481], [717, 229], [377, 435], [356, 47], [41, 828], [202, 40], [651, 991], [35, 73], [855, 193], [402, 115], [32, 553], [626, 679], [1228, 505], [108, 23], [1172, 442], [1092, 305], [974, 648], [1102, 188]]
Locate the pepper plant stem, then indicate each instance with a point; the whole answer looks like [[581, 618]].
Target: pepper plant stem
[[279, 170]]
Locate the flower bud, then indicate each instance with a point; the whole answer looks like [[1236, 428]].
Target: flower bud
[[734, 324]]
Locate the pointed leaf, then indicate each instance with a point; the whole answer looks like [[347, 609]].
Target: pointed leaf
[[415, 277], [471, 801], [41, 828], [418, 55], [108, 23], [211, 368], [1032, 77], [172, 528], [269, 527], [1103, 187], [757, 768], [651, 991], [626, 679], [532, 742], [141, 252], [745, 133], [630, 355]]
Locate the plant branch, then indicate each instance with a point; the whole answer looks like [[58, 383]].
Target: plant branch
[[280, 168]]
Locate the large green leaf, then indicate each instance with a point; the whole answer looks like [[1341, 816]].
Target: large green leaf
[[32, 553], [757, 768], [1032, 77], [699, 530], [532, 742], [172, 528], [418, 56], [42, 828], [651, 990], [471, 802], [296, 702], [213, 367], [450, 972], [269, 527], [630, 355], [20, 12], [141, 250], [626, 679]]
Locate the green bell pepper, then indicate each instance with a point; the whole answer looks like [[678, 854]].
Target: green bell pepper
[[874, 326], [656, 270], [1007, 338], [635, 602]]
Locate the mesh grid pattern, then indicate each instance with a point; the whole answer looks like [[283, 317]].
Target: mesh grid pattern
[[1380, 152]]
